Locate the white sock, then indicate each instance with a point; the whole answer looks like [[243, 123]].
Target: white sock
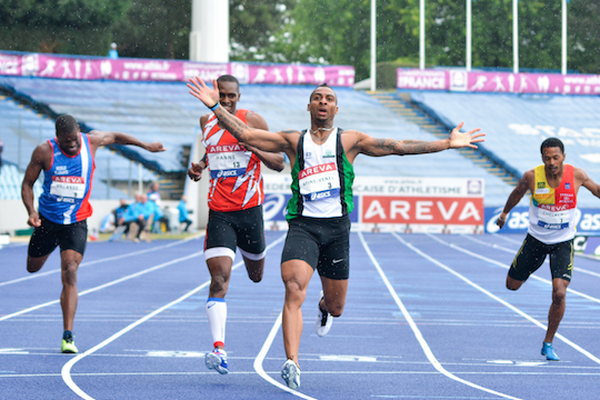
[[216, 311]]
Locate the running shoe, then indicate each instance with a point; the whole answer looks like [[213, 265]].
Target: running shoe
[[68, 346], [548, 351], [217, 360], [324, 320], [290, 372]]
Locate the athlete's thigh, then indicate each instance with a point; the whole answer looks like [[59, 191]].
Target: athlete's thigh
[[530, 257], [43, 240], [220, 231], [561, 260], [334, 256], [73, 237], [300, 244], [251, 230]]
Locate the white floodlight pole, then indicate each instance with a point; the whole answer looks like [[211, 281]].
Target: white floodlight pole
[[422, 34], [373, 45], [516, 36], [564, 37], [468, 63]]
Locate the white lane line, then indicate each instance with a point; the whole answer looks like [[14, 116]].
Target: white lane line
[[102, 260], [261, 356], [498, 299], [419, 336], [578, 269], [451, 245], [66, 369], [95, 289]]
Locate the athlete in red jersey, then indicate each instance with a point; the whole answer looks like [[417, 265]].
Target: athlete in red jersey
[[235, 201]]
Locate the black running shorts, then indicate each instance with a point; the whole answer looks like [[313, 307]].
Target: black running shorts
[[533, 253], [243, 229], [323, 243], [49, 235]]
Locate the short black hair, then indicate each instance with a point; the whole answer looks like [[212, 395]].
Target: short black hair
[[552, 142], [324, 85], [66, 124], [229, 78]]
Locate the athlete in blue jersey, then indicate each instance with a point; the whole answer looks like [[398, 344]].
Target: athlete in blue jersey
[[68, 164]]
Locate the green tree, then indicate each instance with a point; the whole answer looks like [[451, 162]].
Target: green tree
[[584, 36], [65, 26], [155, 29], [252, 25]]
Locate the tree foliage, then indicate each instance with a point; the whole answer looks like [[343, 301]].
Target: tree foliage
[[313, 31], [63, 26]]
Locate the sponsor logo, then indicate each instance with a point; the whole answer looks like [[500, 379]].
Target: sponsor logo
[[328, 154], [337, 261], [68, 179], [320, 195], [541, 185], [225, 174], [224, 148], [316, 170]]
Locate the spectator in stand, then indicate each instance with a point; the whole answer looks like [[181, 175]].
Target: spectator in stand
[[154, 193], [119, 212], [113, 53], [183, 213], [139, 213], [154, 196]]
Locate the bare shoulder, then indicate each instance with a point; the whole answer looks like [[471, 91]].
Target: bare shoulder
[[203, 120], [257, 121], [580, 174]]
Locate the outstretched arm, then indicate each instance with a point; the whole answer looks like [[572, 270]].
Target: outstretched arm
[[587, 182], [383, 147], [515, 197], [101, 138], [274, 161], [261, 139]]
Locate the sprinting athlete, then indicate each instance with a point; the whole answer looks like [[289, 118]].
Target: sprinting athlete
[[554, 186], [319, 226], [68, 164], [235, 217]]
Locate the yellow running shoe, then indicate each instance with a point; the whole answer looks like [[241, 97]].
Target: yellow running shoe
[[68, 346]]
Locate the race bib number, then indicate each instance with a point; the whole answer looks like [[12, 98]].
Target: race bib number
[[319, 182], [227, 161], [553, 219], [68, 186]]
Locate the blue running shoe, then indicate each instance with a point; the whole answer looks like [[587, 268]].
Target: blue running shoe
[[548, 351], [290, 372], [217, 360]]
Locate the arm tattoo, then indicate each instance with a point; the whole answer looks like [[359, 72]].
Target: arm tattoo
[[233, 125], [402, 147]]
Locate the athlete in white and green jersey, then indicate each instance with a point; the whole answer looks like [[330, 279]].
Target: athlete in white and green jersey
[[313, 220]]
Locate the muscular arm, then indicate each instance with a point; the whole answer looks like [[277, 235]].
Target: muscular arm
[[39, 160], [516, 195], [374, 147], [101, 138], [587, 182], [274, 161]]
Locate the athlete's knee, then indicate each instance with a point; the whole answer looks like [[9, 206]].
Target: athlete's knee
[[513, 284], [218, 286], [558, 296]]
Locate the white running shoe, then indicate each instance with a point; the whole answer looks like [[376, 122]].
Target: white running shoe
[[217, 360], [290, 372], [324, 320]]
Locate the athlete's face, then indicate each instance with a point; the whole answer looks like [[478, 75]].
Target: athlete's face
[[229, 93], [69, 143], [553, 159], [323, 104]]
